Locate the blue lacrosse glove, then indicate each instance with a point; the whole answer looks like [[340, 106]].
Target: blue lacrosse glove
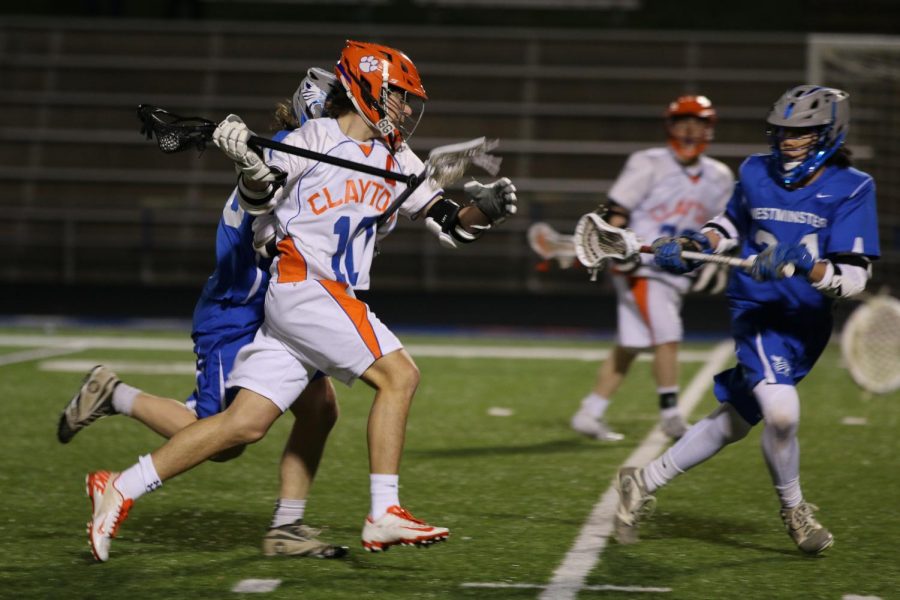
[[667, 252], [770, 263]]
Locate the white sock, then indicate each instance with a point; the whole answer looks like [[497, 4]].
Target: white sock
[[702, 441], [595, 405], [288, 511], [660, 471], [138, 479], [123, 398], [790, 493], [385, 491]]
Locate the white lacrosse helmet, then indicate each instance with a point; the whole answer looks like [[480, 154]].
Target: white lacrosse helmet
[[309, 99]]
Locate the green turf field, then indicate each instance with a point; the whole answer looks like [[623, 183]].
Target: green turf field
[[515, 492]]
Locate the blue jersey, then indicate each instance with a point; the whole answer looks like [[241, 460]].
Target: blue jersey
[[781, 327], [835, 214], [230, 308], [241, 277]]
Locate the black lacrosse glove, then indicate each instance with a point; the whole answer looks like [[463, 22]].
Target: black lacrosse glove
[[496, 200]]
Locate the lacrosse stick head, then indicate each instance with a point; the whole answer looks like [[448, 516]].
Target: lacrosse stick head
[[447, 164], [596, 241], [174, 133], [549, 244], [870, 344]]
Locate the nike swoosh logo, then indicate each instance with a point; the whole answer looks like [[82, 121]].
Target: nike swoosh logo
[[823, 195], [418, 528]]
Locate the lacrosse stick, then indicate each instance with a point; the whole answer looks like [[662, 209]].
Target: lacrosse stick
[[175, 134], [870, 344], [551, 244], [444, 165], [596, 241]]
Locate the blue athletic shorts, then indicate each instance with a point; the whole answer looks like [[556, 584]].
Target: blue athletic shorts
[[770, 346]]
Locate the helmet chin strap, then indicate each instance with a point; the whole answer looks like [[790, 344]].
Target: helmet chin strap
[[384, 125]]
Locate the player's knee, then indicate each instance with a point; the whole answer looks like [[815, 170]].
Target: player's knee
[[240, 428], [318, 403], [398, 375], [780, 407]]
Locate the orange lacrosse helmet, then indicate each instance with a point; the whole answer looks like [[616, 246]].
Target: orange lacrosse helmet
[[689, 145], [384, 86]]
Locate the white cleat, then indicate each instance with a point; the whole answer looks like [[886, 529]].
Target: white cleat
[[398, 527], [110, 509], [597, 429]]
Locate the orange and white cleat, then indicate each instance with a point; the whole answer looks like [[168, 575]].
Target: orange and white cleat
[[398, 527], [110, 509]]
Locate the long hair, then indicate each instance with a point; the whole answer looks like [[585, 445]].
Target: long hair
[[841, 159], [284, 117], [338, 102]]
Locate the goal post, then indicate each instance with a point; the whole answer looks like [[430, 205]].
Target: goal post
[[868, 67]]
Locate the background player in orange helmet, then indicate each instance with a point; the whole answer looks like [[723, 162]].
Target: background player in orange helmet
[[671, 190], [313, 321]]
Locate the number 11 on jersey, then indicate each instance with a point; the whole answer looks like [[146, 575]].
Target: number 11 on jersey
[[345, 247]]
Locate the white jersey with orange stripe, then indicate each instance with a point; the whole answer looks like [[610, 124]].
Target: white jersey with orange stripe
[[323, 206], [667, 198]]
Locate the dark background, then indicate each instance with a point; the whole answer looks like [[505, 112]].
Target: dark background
[[100, 224]]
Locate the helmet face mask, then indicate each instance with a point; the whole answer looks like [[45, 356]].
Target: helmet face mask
[[690, 123], [807, 125], [384, 86]]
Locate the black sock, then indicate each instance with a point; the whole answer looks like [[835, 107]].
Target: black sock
[[668, 400]]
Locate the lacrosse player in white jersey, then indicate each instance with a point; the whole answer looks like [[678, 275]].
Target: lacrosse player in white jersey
[[227, 316], [313, 322], [672, 190]]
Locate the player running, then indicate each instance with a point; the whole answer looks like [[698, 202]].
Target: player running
[[313, 322], [802, 205], [672, 190], [226, 318]]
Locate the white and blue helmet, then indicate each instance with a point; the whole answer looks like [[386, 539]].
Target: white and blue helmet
[[309, 99], [824, 110]]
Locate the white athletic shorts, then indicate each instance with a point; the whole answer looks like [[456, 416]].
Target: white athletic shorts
[[649, 312], [309, 326]]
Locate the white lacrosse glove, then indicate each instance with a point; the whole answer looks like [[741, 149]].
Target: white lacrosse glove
[[496, 200], [231, 138], [265, 232]]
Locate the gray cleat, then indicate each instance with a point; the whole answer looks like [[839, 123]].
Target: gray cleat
[[635, 503], [297, 539], [805, 530], [93, 401]]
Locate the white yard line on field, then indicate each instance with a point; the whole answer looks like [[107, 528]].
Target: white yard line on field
[[420, 350], [36, 354], [584, 555]]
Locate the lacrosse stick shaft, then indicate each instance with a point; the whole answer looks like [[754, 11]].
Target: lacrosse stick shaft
[[257, 141], [744, 263], [413, 183], [733, 261]]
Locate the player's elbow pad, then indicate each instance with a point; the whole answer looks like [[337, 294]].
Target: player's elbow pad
[[844, 280], [727, 232], [442, 219], [254, 202]]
